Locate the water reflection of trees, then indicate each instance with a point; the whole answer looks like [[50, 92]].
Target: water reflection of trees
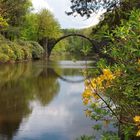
[[19, 85]]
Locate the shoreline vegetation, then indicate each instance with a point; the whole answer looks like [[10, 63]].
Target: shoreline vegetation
[[19, 51]]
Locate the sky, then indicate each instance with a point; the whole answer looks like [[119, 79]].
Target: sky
[[58, 8]]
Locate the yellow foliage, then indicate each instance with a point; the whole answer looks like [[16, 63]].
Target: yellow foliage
[[95, 86], [138, 61], [138, 64], [137, 121], [88, 113]]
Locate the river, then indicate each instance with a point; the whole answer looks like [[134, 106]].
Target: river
[[42, 101]]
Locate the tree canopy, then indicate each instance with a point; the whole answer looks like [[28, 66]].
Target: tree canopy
[[38, 26], [47, 25], [88, 7], [14, 10]]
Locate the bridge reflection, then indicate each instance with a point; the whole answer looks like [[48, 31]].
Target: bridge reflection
[[50, 71], [21, 84]]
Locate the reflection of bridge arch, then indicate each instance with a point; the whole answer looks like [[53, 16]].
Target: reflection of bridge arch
[[50, 71], [68, 80], [52, 43]]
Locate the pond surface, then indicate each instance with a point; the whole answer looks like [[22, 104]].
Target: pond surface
[[42, 101]]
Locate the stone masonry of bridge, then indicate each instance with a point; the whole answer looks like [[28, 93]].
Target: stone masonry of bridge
[[96, 46], [50, 44]]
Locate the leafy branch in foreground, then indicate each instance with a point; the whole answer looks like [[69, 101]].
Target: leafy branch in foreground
[[114, 92]]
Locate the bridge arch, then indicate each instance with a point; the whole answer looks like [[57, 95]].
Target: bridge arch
[[74, 34], [54, 42]]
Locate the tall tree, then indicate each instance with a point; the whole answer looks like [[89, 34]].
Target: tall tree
[[38, 26], [29, 30], [48, 27], [14, 12]]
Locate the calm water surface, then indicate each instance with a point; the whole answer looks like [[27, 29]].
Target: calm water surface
[[41, 101]]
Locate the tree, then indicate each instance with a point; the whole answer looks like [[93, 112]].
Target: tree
[[14, 12], [88, 7], [29, 30], [48, 27], [38, 26], [117, 85]]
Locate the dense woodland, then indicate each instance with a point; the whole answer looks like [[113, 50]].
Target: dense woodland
[[22, 33]]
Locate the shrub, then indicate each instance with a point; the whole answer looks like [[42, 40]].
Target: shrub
[[19, 53], [27, 48], [5, 49], [37, 50], [4, 58], [19, 50]]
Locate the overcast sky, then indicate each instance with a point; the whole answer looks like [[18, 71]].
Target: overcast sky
[[58, 8]]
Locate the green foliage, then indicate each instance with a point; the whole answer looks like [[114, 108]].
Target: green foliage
[[61, 47], [19, 50], [84, 137], [125, 49], [122, 98], [97, 127], [31, 49], [5, 49], [4, 58], [78, 45], [37, 50], [27, 48], [48, 27], [29, 29], [125, 40], [3, 23], [14, 10], [109, 136], [40, 27], [85, 50]]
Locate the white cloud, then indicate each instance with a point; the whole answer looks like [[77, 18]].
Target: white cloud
[[39, 4], [58, 8]]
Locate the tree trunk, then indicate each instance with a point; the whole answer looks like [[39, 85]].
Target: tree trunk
[[44, 44]]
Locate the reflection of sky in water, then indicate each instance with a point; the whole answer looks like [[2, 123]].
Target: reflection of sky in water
[[62, 116], [62, 119]]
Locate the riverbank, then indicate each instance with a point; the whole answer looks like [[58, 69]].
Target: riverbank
[[19, 50]]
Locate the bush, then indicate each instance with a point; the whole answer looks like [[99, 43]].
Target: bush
[[5, 49], [124, 46], [19, 50], [27, 48], [37, 50], [118, 85], [4, 58]]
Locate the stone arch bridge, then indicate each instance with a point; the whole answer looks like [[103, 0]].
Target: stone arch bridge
[[96, 46], [50, 44]]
